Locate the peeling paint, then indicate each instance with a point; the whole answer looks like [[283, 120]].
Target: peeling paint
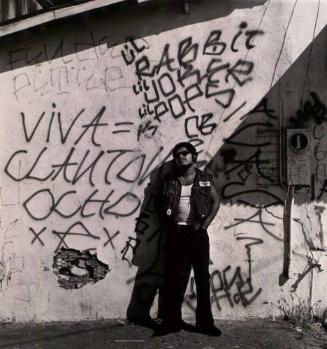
[[75, 269]]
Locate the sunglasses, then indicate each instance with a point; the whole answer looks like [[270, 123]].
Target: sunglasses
[[182, 153]]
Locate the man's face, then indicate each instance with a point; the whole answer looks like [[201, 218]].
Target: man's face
[[183, 157]]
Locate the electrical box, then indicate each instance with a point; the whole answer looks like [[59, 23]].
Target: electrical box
[[298, 142]]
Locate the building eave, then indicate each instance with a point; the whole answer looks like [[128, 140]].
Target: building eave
[[53, 15]]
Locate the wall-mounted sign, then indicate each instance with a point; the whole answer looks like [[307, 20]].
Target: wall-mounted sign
[[298, 156], [299, 141]]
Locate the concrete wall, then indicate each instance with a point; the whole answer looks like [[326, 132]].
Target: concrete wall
[[90, 111]]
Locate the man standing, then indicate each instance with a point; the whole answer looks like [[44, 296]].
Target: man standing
[[188, 202]]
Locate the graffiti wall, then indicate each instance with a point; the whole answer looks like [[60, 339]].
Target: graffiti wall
[[90, 112]]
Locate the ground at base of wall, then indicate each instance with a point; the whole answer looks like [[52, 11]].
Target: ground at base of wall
[[246, 334]]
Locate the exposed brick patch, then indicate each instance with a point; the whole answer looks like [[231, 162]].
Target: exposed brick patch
[[75, 269]]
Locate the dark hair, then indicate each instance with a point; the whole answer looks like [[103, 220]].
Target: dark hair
[[190, 147]]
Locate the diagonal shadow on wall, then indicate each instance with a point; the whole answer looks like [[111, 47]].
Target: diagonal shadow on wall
[[248, 168]]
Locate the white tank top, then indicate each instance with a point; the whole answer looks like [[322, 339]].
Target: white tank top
[[183, 209]]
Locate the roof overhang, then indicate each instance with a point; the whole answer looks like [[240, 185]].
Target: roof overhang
[[55, 14]]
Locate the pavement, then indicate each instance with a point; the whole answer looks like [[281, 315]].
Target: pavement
[[120, 334]]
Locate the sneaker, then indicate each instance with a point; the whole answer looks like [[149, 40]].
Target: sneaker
[[210, 331]]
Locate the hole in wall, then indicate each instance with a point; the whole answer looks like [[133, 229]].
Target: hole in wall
[[75, 269]]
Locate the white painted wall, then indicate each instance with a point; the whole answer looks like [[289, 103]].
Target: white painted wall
[[91, 78]]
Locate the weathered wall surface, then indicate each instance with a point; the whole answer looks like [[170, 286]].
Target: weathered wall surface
[[90, 111]]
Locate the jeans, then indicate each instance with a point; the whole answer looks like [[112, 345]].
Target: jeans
[[186, 248]]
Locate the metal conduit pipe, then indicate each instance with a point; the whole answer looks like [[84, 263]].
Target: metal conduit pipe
[[288, 203]]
